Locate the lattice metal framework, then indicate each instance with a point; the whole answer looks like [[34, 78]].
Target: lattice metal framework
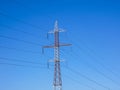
[[57, 83]]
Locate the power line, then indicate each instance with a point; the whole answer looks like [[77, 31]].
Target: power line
[[21, 65], [12, 28], [40, 67], [99, 62], [80, 74], [16, 39], [100, 65], [78, 82], [18, 60], [99, 72], [22, 50], [89, 79], [9, 59], [18, 20], [21, 4]]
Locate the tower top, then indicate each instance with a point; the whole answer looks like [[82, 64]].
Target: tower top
[[56, 26]]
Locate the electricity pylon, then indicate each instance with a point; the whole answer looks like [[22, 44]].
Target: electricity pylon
[[57, 83]]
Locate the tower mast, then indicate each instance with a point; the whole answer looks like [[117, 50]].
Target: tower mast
[[57, 83]]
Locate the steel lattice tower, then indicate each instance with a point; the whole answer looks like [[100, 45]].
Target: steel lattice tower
[[57, 83]]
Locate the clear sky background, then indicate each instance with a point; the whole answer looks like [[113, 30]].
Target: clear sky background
[[91, 26]]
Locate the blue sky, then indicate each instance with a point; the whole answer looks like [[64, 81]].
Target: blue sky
[[92, 26]]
